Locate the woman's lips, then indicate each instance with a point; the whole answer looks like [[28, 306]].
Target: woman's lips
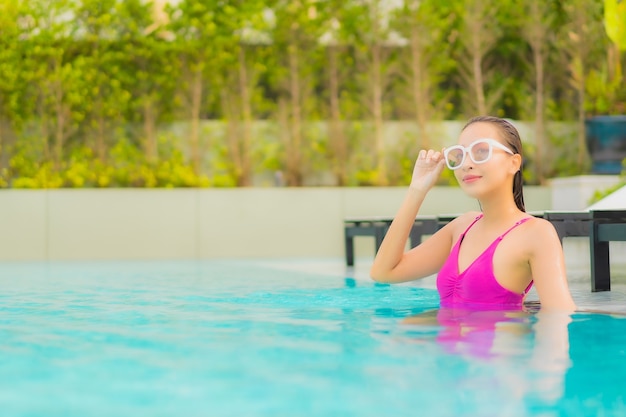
[[470, 178]]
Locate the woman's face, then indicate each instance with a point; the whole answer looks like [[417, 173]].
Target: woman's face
[[476, 179]]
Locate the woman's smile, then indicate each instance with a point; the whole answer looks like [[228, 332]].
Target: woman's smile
[[470, 178]]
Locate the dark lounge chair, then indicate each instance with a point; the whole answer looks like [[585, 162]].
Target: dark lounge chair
[[600, 226]]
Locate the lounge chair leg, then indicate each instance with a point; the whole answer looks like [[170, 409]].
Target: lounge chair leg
[[600, 263], [379, 236], [349, 249]]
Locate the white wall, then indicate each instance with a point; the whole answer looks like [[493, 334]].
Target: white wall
[[81, 224], [23, 225], [575, 193], [130, 224]]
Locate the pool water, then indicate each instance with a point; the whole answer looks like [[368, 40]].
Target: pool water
[[248, 338]]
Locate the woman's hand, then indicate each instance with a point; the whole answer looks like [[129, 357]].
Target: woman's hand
[[427, 170]]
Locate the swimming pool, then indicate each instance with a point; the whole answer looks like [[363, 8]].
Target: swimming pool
[[253, 338]]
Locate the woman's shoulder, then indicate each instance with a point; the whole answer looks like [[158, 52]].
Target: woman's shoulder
[[469, 217], [539, 231], [461, 218], [539, 224], [461, 222]]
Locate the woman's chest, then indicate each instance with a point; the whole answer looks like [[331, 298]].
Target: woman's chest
[[500, 260]]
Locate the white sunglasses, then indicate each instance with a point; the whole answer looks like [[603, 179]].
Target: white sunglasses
[[479, 151]]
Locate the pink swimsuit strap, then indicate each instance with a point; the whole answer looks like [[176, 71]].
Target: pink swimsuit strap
[[499, 238]]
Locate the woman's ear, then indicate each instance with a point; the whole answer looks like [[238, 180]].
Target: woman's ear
[[516, 163]]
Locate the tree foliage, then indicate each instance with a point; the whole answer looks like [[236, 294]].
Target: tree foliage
[[104, 93]]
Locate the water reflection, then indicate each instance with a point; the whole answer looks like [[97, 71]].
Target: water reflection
[[528, 352]]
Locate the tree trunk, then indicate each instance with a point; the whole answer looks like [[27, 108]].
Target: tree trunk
[[540, 131], [377, 113], [294, 169], [535, 31], [194, 135], [582, 143], [579, 56], [59, 128], [481, 34], [337, 138], [101, 133], [285, 138], [420, 93], [42, 114], [245, 167], [232, 131], [3, 141], [149, 129], [3, 144], [616, 73], [477, 71]]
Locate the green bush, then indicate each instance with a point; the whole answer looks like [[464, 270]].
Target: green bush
[[126, 167]]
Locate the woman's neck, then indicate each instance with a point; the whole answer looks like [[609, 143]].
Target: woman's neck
[[500, 210]]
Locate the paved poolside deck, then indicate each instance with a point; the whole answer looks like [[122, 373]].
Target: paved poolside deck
[[613, 301]]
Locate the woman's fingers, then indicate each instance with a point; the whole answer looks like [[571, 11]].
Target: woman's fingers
[[427, 169], [429, 155]]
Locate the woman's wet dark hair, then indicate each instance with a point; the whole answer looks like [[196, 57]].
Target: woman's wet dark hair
[[511, 136]]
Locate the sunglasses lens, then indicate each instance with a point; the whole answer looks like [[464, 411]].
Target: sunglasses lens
[[454, 158], [481, 151]]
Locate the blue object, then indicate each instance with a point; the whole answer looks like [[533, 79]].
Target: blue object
[[606, 143]]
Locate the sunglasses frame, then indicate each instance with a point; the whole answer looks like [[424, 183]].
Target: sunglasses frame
[[467, 151]]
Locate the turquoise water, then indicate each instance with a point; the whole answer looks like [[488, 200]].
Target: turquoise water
[[235, 338]]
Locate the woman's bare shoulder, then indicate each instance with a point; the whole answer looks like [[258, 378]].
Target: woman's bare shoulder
[[540, 231], [468, 217], [462, 221], [538, 224]]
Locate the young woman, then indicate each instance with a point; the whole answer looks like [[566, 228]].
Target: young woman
[[488, 259]]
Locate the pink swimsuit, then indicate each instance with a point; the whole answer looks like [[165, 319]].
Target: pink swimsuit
[[477, 286]]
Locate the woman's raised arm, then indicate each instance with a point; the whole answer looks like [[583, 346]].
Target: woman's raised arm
[[392, 264]]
